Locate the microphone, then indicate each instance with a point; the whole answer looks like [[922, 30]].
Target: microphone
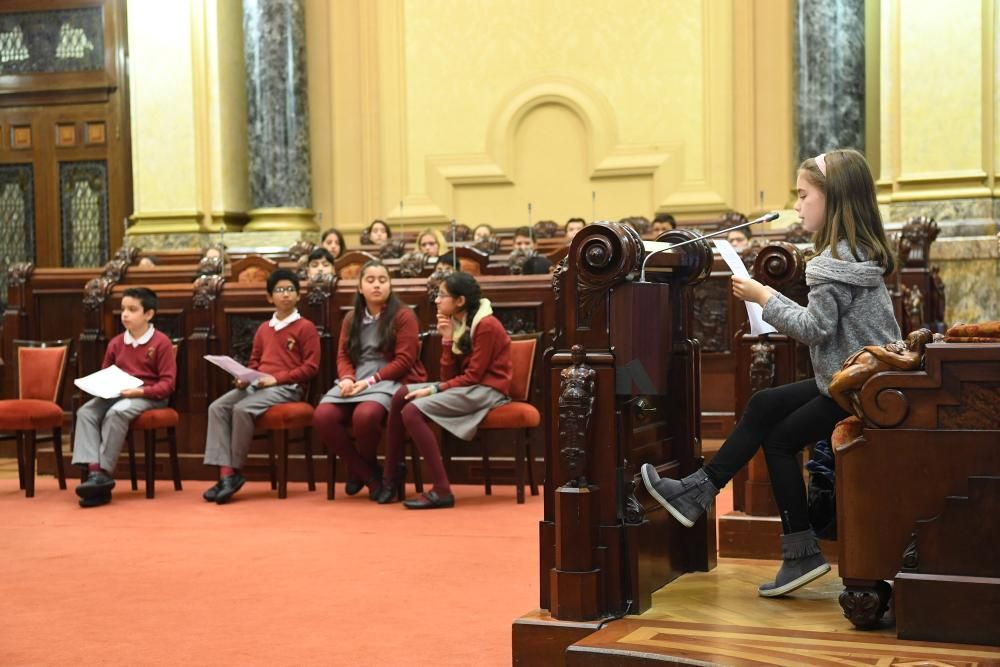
[[768, 217]]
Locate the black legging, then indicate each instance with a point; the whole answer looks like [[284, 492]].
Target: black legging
[[783, 420]]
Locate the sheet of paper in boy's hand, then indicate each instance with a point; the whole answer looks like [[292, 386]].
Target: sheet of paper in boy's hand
[[234, 368], [756, 314], [107, 382]]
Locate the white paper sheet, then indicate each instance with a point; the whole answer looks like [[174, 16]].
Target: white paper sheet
[[234, 368], [108, 382], [756, 314]]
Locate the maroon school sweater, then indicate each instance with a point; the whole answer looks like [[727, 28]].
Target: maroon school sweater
[[153, 363], [403, 365], [290, 355], [489, 362]]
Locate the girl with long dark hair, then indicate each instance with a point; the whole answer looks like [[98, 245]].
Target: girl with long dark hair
[[378, 349]]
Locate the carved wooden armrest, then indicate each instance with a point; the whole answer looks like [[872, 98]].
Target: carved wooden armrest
[[958, 388]]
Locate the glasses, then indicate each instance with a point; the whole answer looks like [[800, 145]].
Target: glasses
[[285, 290]]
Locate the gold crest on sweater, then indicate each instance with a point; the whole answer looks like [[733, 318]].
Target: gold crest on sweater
[[290, 344]]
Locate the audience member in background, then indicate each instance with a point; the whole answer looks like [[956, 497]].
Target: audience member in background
[[536, 265], [333, 241], [378, 349], [148, 261], [320, 263], [215, 251], [482, 233], [431, 242], [475, 377], [103, 423], [378, 233], [573, 225], [739, 238], [523, 239], [663, 222], [286, 348], [447, 263]]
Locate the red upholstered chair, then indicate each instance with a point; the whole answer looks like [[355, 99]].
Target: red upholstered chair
[[518, 416], [150, 423], [278, 421], [41, 369]]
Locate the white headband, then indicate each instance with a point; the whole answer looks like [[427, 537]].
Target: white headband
[[821, 163]]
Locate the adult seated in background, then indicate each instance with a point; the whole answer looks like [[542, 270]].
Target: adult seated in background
[[378, 233], [215, 251], [482, 233], [431, 242], [320, 263], [663, 222], [639, 223], [523, 239], [333, 241], [573, 225], [446, 263], [739, 239], [476, 371], [536, 265], [148, 261]]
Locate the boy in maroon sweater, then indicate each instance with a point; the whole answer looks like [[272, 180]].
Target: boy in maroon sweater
[[103, 423], [287, 349]]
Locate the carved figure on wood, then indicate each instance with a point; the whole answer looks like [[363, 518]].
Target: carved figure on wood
[[576, 404], [902, 355]]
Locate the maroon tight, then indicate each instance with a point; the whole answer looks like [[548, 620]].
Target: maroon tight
[[405, 418], [331, 421]]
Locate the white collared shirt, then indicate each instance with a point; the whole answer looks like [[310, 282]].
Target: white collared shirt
[[142, 340], [278, 325], [369, 318]]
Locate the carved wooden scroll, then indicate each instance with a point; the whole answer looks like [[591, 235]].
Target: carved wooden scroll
[[321, 286], [206, 289], [95, 292], [609, 253], [18, 274]]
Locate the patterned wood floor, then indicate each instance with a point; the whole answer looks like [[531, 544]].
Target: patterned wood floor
[[717, 618]]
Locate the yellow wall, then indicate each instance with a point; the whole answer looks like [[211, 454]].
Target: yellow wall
[[473, 110], [938, 88]]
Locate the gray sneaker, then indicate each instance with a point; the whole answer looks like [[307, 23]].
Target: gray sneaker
[[686, 499], [802, 562]]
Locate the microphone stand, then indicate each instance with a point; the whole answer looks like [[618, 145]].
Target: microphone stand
[[773, 215]]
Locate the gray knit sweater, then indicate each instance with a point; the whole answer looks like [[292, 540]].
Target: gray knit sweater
[[849, 308]]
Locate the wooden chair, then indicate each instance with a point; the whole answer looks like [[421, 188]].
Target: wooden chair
[[41, 369], [519, 415], [149, 423], [278, 421]]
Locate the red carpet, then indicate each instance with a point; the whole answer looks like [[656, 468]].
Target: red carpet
[[302, 581]]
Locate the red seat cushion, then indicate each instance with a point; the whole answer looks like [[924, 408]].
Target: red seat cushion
[[286, 416], [29, 414], [154, 419], [512, 415]]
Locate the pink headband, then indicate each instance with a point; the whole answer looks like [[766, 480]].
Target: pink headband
[[821, 163]]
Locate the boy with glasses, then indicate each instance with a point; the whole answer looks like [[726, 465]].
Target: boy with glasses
[[287, 349]]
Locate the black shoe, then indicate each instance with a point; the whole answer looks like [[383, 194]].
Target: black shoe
[[374, 488], [430, 501], [387, 492], [353, 486], [96, 501], [213, 492], [98, 483], [230, 485]]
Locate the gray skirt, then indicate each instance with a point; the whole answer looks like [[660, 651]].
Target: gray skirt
[[458, 410], [380, 392]]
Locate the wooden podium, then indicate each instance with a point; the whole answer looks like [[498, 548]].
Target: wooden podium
[[622, 380]]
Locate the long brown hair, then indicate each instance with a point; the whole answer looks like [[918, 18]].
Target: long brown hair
[[386, 320], [851, 207]]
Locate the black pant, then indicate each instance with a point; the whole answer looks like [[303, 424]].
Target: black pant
[[783, 420]]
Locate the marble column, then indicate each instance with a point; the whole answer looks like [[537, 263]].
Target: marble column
[[274, 42], [830, 76]]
